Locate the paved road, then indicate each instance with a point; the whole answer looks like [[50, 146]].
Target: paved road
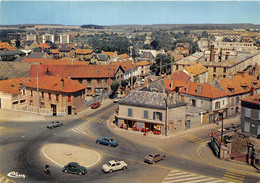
[[21, 144]]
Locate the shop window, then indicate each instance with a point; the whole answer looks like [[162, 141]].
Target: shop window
[[69, 98], [130, 112], [57, 97], [157, 116], [49, 96], [42, 94], [145, 114]]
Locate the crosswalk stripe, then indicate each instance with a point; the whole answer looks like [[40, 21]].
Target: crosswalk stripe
[[178, 176], [186, 135], [75, 130], [235, 174], [233, 177], [233, 180]]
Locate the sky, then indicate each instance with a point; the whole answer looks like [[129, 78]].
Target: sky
[[128, 12]]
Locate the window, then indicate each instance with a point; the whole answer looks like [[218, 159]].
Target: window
[[145, 114], [247, 112], [217, 105], [23, 92], [57, 97], [130, 112], [80, 80], [177, 67], [69, 98], [224, 70], [193, 102], [42, 105], [42, 94], [49, 95], [214, 76], [247, 127], [89, 81], [31, 93], [105, 80], [157, 116], [88, 89], [214, 69], [98, 80]]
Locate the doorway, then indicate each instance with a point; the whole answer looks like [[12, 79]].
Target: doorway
[[69, 110], [54, 109]]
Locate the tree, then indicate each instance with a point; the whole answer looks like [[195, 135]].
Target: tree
[[124, 83], [205, 34], [161, 60], [225, 39], [114, 86], [155, 45]]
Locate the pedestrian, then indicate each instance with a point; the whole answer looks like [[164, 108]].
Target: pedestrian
[[47, 170]]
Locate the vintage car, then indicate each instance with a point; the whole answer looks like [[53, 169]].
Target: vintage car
[[153, 157], [95, 105], [75, 168], [109, 141], [114, 165], [54, 124]]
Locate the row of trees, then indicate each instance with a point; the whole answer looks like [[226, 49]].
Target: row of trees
[[123, 84]]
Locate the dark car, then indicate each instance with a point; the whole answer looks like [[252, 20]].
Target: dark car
[[153, 157], [55, 124], [109, 141], [74, 168], [95, 105]]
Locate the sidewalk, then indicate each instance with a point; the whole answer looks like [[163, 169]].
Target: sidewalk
[[207, 154]]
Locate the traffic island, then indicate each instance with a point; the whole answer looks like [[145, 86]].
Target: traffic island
[[62, 154]]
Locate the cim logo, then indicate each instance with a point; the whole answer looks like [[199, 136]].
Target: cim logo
[[14, 174]]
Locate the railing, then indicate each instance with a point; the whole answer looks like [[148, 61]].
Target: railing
[[42, 111]]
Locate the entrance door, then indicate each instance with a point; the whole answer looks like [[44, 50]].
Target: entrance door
[[69, 110], [54, 110]]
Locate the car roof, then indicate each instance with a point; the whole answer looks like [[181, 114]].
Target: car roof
[[113, 161], [73, 163], [108, 138], [153, 154]]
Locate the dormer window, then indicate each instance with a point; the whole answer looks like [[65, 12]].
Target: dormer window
[[231, 89]]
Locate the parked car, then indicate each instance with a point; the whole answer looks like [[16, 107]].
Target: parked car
[[55, 124], [116, 100], [75, 168], [109, 141], [95, 105], [114, 165], [153, 157]]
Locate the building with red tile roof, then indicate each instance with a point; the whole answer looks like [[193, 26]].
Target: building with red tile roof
[[197, 72], [143, 68], [58, 95], [44, 46], [179, 75], [124, 56], [96, 78], [55, 61], [12, 93], [6, 46], [84, 54]]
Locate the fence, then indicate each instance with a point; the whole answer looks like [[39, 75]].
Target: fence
[[42, 111]]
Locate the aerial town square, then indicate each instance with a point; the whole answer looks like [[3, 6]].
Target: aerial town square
[[129, 91]]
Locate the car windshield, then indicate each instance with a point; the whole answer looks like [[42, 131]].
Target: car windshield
[[149, 155], [109, 164]]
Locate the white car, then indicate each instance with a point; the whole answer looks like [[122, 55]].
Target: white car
[[114, 165]]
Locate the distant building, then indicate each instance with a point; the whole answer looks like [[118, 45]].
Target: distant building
[[64, 39], [48, 37], [233, 46]]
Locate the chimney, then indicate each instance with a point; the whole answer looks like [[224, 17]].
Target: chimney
[[171, 83], [187, 87], [198, 89], [62, 84], [212, 54]]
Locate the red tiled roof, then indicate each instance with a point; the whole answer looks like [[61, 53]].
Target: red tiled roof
[[44, 45], [12, 86], [207, 90], [55, 62], [180, 75], [75, 71], [229, 85], [111, 54], [6, 45], [126, 65], [142, 63], [84, 51], [252, 99], [54, 83], [55, 51], [124, 56]]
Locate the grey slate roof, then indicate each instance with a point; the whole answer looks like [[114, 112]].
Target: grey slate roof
[[146, 55], [156, 86], [150, 100], [11, 53], [101, 57], [20, 59], [36, 55]]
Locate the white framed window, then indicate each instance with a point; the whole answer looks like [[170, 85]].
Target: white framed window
[[247, 127]]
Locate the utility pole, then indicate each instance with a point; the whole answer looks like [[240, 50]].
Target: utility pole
[[171, 63], [160, 66], [38, 102]]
